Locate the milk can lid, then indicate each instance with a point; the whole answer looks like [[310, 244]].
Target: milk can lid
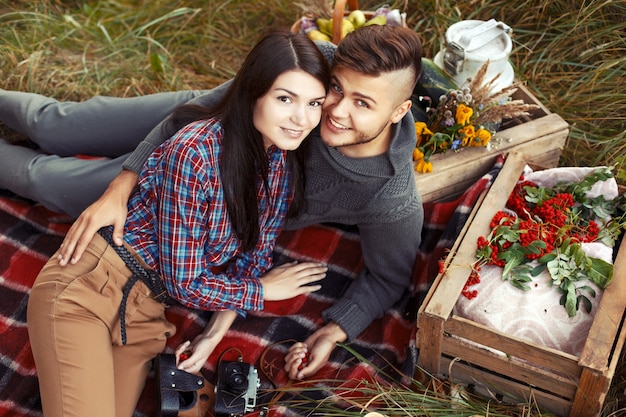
[[481, 40]]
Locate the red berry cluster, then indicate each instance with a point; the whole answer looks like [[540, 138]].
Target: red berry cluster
[[517, 199], [535, 221], [473, 279]]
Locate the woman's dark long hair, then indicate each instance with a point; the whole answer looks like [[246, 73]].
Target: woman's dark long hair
[[244, 158]]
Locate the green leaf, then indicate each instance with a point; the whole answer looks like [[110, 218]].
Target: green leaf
[[601, 272], [588, 289], [560, 268], [538, 270], [547, 258], [520, 276], [513, 258], [586, 303], [570, 299], [536, 246], [158, 62], [520, 285]]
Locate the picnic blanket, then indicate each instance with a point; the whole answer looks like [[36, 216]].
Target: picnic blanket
[[30, 234]]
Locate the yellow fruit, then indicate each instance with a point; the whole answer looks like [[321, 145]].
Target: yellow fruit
[[378, 20], [357, 18], [316, 35], [346, 27], [325, 26]]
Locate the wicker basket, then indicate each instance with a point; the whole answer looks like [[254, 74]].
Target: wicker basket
[[339, 12]]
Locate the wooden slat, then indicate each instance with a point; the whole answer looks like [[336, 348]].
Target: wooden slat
[[608, 320], [526, 372], [537, 355], [604, 344], [430, 342], [449, 181], [454, 248], [512, 392]]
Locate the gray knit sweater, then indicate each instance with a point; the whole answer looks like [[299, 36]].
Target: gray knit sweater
[[376, 194], [379, 196]]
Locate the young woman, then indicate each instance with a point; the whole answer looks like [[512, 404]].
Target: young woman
[[202, 225]]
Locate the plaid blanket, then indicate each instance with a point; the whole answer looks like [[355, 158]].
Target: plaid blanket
[[29, 235]]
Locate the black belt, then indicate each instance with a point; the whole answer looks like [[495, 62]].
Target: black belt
[[147, 276]]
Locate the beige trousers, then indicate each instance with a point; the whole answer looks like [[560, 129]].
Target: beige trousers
[[74, 329]]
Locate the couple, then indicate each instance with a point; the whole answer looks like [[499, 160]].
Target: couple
[[183, 219]]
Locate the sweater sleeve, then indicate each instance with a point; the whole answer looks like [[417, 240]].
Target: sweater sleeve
[[157, 135], [389, 252]]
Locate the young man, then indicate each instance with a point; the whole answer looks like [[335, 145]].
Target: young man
[[359, 172]]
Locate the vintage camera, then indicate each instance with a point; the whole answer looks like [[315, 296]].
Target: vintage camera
[[236, 389]]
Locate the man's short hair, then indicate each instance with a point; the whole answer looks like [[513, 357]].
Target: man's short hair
[[377, 49]]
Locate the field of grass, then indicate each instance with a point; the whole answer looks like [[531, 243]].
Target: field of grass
[[571, 54]]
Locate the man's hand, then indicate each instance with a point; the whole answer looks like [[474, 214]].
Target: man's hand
[[305, 359], [109, 210], [292, 279]]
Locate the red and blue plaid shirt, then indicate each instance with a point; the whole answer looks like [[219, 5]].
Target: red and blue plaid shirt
[[178, 222]]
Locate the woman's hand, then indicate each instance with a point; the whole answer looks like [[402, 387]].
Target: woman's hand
[[109, 210], [292, 279], [191, 356]]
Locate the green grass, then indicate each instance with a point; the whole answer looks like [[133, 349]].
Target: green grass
[[571, 54]]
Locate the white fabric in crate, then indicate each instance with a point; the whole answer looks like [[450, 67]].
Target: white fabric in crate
[[536, 315]]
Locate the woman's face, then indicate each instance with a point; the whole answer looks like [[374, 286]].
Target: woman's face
[[290, 109]]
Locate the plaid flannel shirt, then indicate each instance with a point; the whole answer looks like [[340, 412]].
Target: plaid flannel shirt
[[178, 222]]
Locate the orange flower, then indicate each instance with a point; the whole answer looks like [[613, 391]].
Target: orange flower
[[422, 132], [463, 114], [424, 166], [467, 135], [484, 136], [417, 154]]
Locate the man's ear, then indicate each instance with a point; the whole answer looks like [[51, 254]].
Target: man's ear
[[400, 111]]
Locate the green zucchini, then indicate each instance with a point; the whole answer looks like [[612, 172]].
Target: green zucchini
[[433, 83]]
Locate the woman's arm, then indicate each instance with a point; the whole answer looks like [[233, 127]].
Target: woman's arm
[[204, 344]]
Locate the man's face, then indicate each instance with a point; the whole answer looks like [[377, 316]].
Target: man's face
[[360, 109]]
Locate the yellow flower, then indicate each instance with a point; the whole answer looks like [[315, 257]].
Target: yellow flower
[[417, 154], [424, 166], [463, 114], [422, 132], [484, 135], [467, 135]]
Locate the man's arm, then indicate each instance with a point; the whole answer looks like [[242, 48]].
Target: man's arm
[[389, 251], [111, 208], [157, 135]]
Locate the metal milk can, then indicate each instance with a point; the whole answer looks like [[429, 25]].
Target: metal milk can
[[470, 43]]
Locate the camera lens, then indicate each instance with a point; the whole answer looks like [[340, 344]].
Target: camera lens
[[237, 381]]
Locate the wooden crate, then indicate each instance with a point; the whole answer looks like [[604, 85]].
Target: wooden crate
[[455, 347], [541, 136]]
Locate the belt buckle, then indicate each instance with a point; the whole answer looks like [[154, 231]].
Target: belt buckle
[[162, 297]]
